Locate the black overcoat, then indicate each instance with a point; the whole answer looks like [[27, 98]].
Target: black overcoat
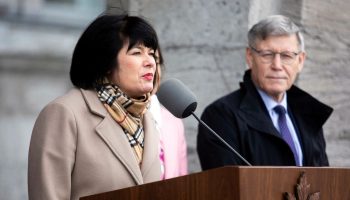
[[242, 120]]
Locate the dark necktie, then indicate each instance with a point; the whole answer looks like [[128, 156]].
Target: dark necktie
[[284, 131]]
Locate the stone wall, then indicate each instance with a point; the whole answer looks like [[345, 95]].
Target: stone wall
[[326, 72]]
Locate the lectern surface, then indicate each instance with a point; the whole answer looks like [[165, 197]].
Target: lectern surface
[[242, 183]]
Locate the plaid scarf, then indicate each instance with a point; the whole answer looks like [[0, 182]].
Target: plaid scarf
[[127, 112]]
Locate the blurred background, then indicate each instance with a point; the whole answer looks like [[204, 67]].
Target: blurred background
[[203, 43]]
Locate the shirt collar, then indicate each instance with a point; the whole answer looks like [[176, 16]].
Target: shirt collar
[[270, 103]]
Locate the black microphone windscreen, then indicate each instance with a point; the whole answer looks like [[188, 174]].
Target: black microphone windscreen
[[177, 98]]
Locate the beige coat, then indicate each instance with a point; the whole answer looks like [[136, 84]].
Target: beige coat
[[77, 149]]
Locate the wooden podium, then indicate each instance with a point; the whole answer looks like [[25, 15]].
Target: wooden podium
[[244, 183]]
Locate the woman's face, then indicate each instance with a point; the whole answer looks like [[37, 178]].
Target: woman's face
[[135, 72]]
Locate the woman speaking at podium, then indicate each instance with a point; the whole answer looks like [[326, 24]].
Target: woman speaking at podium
[[100, 135]]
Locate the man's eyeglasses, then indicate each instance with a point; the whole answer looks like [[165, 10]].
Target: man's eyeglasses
[[287, 57]]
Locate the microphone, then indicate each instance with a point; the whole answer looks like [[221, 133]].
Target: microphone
[[177, 98], [181, 102]]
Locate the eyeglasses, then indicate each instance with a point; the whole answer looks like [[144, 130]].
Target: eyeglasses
[[287, 57]]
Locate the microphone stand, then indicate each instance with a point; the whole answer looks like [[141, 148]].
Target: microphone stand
[[222, 140]]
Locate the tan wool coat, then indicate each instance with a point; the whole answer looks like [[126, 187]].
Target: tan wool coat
[[77, 149]]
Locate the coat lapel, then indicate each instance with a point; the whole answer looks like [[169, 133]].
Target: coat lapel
[[255, 114], [258, 122], [113, 136], [151, 150]]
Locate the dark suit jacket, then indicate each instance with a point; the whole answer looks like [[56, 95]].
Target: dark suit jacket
[[242, 120]]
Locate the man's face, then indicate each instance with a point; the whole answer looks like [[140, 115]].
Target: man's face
[[275, 73]]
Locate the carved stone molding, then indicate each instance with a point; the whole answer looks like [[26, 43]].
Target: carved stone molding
[[302, 190]]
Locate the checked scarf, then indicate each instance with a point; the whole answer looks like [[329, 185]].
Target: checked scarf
[[127, 112]]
